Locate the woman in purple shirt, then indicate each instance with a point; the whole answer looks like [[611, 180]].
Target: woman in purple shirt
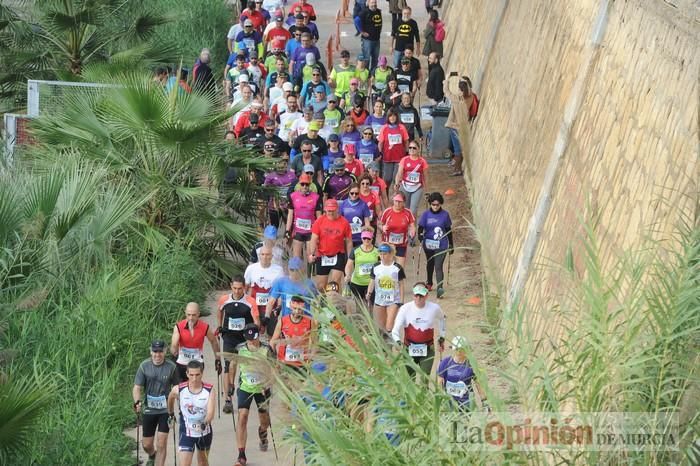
[[435, 233], [356, 212], [457, 377], [377, 119], [349, 135]]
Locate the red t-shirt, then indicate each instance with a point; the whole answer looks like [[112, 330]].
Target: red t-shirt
[[356, 167], [331, 234], [413, 172], [397, 226], [393, 140], [278, 33], [379, 186], [306, 8], [372, 201], [256, 18]]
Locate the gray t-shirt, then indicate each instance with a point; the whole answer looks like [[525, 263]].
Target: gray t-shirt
[[157, 380]]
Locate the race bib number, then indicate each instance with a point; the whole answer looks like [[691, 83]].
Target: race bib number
[[417, 350], [293, 354], [404, 88], [407, 118], [355, 228], [456, 389], [413, 177], [332, 122], [366, 159], [374, 189], [252, 379], [376, 129], [261, 299], [197, 429], [329, 261], [394, 139], [384, 298], [236, 324], [190, 354], [156, 402], [432, 244], [396, 238], [249, 44], [303, 224], [365, 269]]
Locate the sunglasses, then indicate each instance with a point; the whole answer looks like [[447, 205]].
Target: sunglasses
[[269, 129], [355, 193], [304, 184], [366, 239], [306, 151], [435, 204], [297, 35], [368, 134], [315, 74], [364, 184], [412, 148]]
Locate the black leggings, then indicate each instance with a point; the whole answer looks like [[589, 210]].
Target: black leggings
[[435, 260]]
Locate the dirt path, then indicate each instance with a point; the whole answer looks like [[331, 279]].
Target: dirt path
[[464, 283]]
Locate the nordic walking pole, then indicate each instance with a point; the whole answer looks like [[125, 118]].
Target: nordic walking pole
[[449, 256], [138, 447], [218, 398], [174, 439], [272, 434]]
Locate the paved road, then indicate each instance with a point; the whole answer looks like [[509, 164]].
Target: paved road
[[224, 450]]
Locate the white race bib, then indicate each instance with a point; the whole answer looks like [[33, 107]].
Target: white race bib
[[394, 139], [261, 299], [236, 324], [252, 379], [456, 389], [190, 354], [396, 238], [376, 128], [355, 228], [417, 350], [329, 261], [156, 402], [404, 88], [384, 297], [303, 224], [407, 118], [413, 177], [365, 269], [366, 159], [293, 354], [332, 122], [197, 429], [432, 244]]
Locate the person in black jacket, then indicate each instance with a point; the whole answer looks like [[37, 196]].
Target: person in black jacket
[[436, 78], [409, 116], [202, 76], [371, 31]]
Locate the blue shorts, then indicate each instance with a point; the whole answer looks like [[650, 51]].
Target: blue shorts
[[401, 251], [188, 443]]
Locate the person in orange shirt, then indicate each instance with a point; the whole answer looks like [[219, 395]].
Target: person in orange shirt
[[292, 339], [330, 245]]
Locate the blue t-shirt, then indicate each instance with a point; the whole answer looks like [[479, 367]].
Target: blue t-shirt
[[355, 214], [350, 139], [375, 123], [458, 379], [367, 151], [291, 46], [284, 288], [329, 158], [436, 226]]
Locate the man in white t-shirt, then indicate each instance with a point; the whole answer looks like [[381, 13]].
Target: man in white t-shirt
[[260, 275]]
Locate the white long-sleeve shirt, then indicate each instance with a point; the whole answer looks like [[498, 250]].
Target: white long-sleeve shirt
[[418, 324]]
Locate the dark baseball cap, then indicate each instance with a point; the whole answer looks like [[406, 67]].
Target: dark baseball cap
[[157, 346], [251, 332]]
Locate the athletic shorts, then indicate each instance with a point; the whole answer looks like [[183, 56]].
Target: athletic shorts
[[303, 237], [245, 399], [153, 421], [339, 265], [401, 251], [191, 443]]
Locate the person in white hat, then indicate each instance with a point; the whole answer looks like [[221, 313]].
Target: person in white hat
[[457, 377]]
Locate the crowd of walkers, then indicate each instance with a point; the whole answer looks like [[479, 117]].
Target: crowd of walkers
[[348, 200]]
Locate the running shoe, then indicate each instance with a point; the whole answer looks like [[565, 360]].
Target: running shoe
[[241, 461], [440, 292], [263, 439], [228, 407], [429, 286]]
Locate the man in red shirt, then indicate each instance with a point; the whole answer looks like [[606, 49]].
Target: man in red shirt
[[306, 8], [330, 245], [255, 16], [277, 32]]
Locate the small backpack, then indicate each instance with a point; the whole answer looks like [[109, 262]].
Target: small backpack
[[440, 31]]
